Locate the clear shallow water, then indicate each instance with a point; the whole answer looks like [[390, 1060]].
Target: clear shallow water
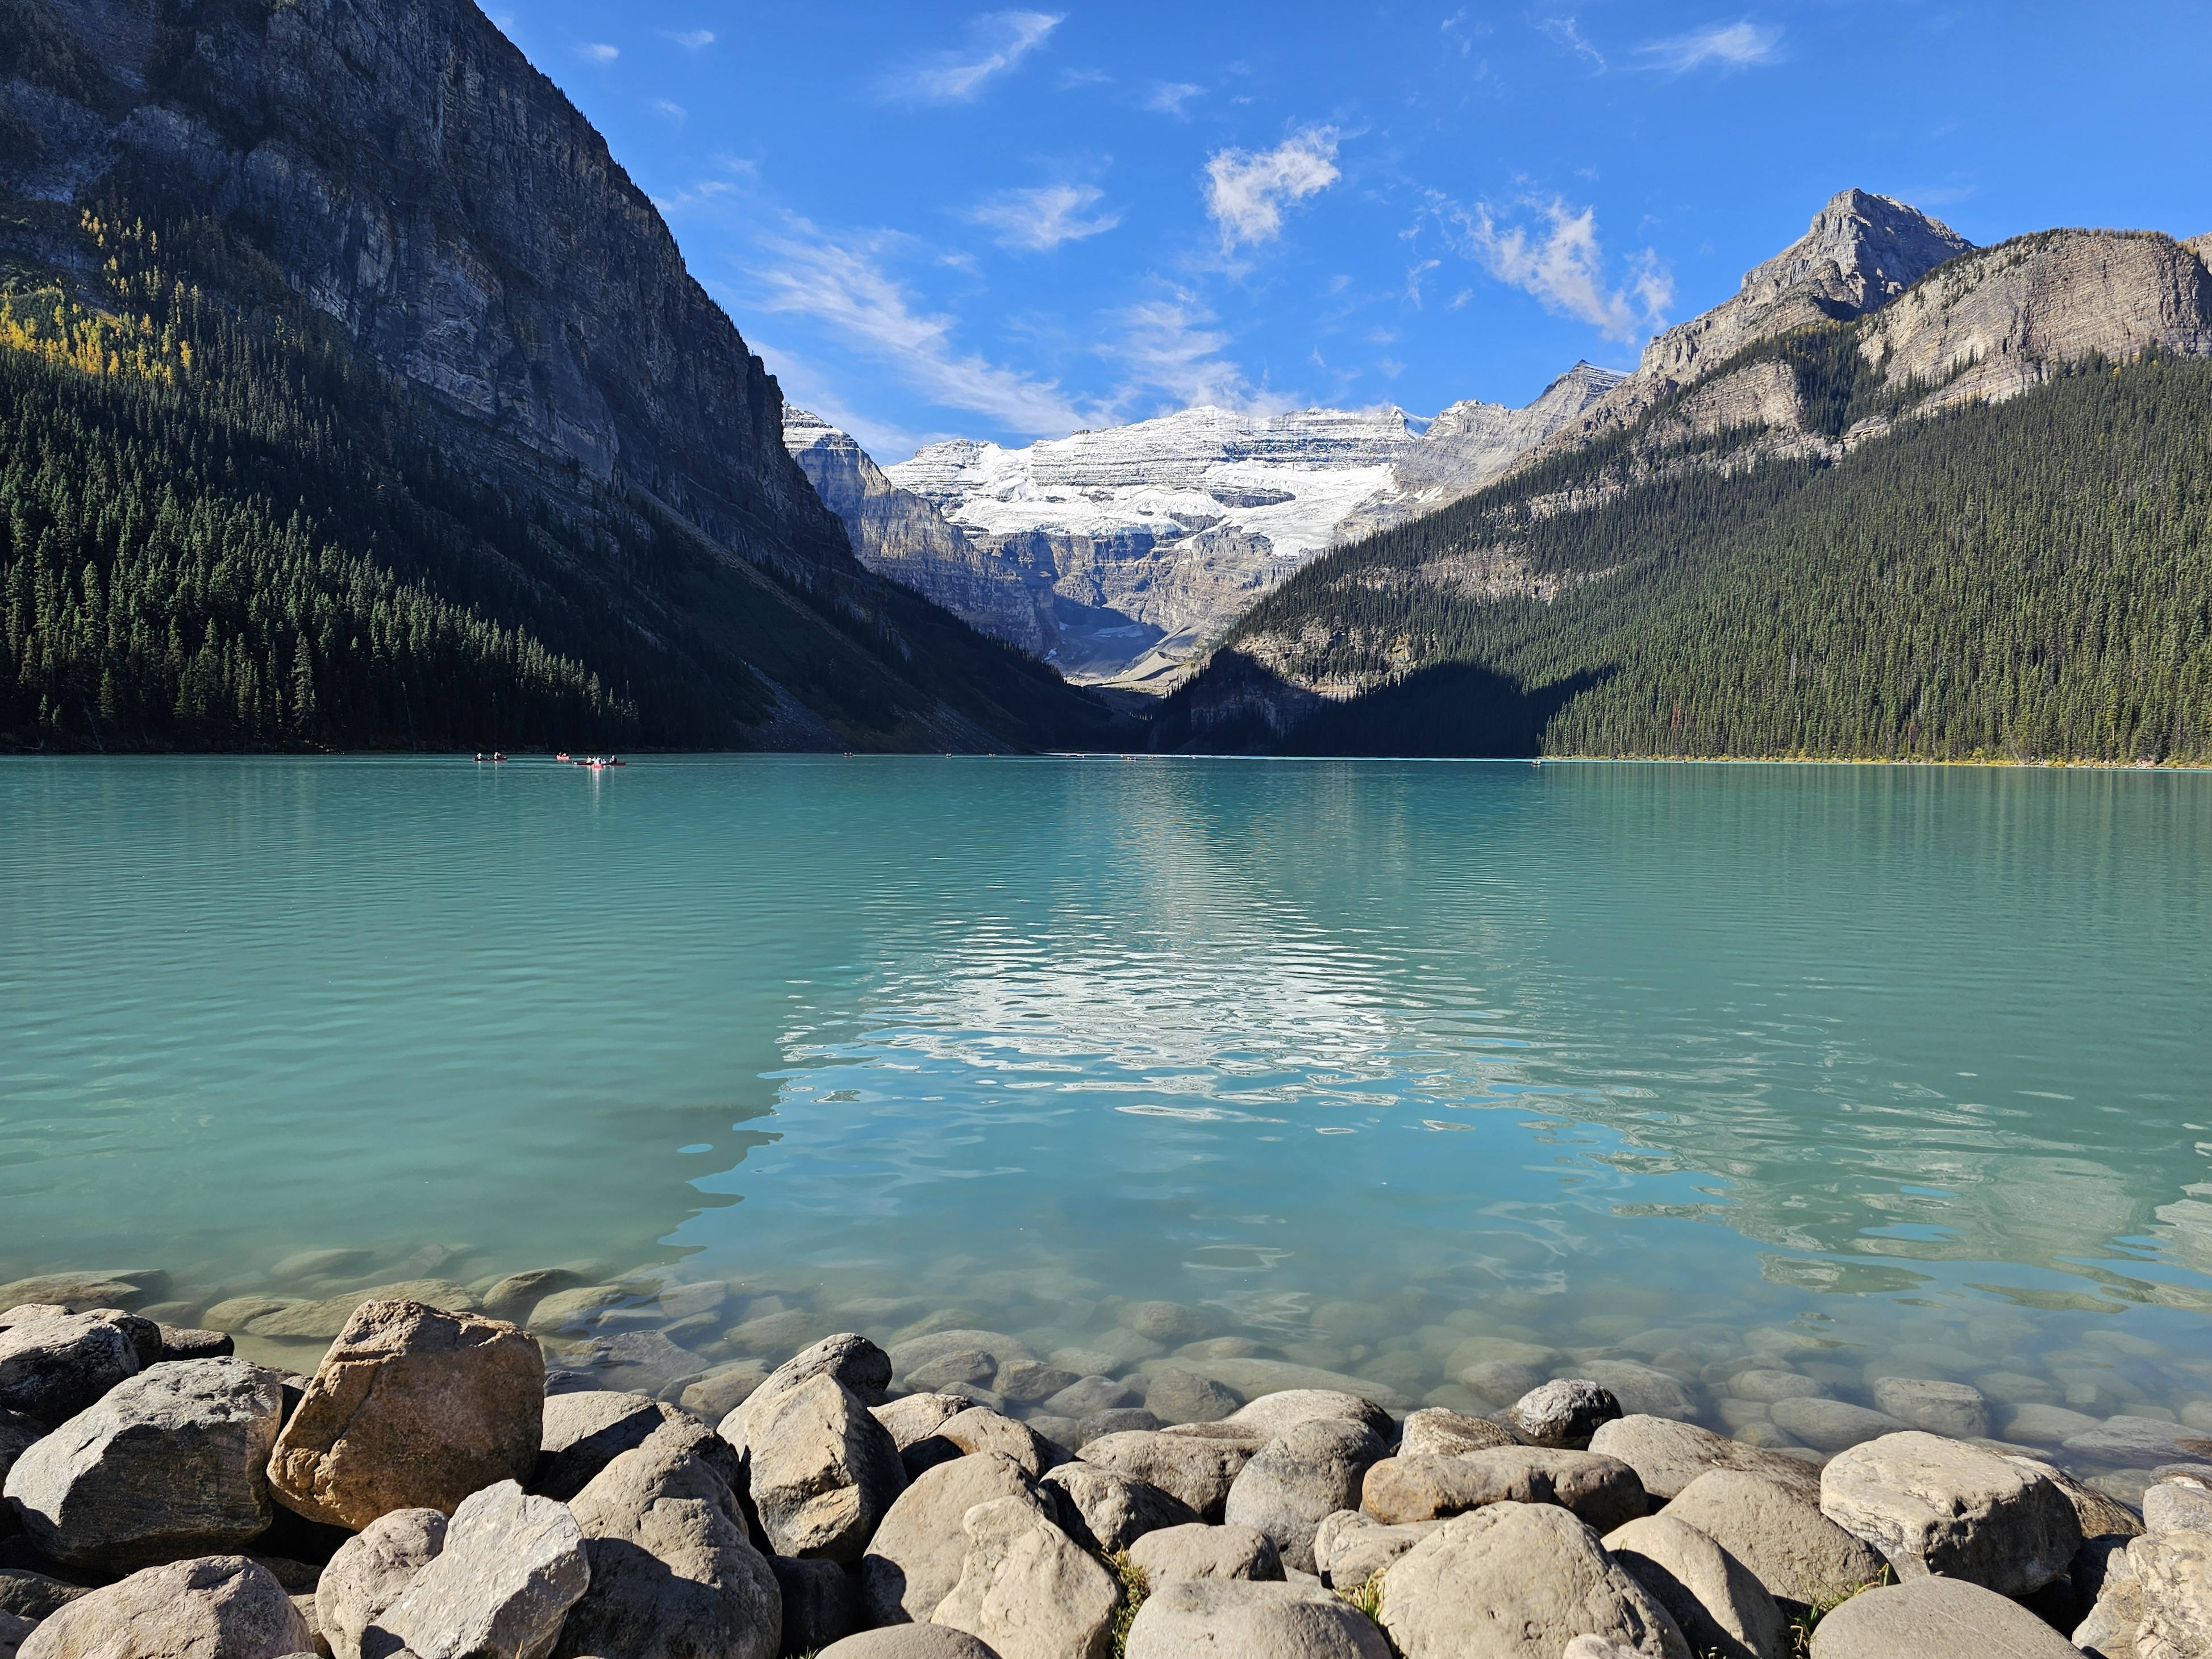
[[1366, 1060]]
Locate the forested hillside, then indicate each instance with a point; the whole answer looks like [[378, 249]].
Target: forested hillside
[[2030, 580]]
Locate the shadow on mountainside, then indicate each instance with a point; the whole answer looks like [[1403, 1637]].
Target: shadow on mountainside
[[1453, 710]]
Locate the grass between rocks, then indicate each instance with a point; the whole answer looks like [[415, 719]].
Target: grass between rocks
[[1802, 1625], [1367, 1600], [1136, 1585]]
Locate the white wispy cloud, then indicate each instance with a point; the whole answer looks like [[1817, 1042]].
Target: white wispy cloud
[[1044, 217], [1731, 45], [997, 41], [845, 287], [1168, 97], [1172, 345], [1569, 33], [599, 51], [670, 107], [1246, 192], [690, 39], [1562, 264]]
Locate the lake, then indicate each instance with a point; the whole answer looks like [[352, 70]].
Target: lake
[[1665, 1073]]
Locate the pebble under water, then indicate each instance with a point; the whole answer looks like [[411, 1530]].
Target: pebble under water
[[1747, 1090]]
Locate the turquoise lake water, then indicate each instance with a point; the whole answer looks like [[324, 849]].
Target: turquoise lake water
[[1366, 1059]]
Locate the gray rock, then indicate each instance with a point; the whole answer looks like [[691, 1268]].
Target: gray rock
[[144, 1334], [34, 1596], [979, 1428], [914, 1559], [218, 1607], [966, 1366], [1303, 1475], [1935, 1619], [1518, 1581], [325, 1317], [581, 1433], [672, 1573], [722, 1389], [1256, 1378], [322, 1264], [1831, 1425], [1436, 1433], [1175, 1396], [1193, 1469], [1803, 1556], [13, 1628], [2174, 1571], [514, 1297], [1723, 1610], [1667, 1456], [370, 1572], [52, 1368], [2175, 1505], [1025, 1591], [1770, 1386], [1087, 1396], [2139, 1441], [1643, 1390], [2036, 1423], [1027, 1381], [1499, 1381], [820, 1602], [1956, 1409], [1169, 1322], [2106, 1581], [27, 1313], [1284, 1409], [919, 1351], [2098, 1514], [187, 1342], [916, 1417], [1106, 1509], [1203, 1551], [1350, 1549], [821, 1472], [128, 1287], [1933, 1506], [1237, 1619], [576, 1309], [909, 1642], [18, 1434], [1122, 1420], [1564, 1413], [170, 1463], [1602, 1492], [511, 1568]]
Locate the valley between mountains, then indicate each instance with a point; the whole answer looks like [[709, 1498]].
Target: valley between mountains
[[373, 407]]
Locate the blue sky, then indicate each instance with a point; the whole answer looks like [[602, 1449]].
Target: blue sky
[[1009, 224]]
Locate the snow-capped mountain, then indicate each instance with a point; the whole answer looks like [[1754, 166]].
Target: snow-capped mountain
[[1139, 543]]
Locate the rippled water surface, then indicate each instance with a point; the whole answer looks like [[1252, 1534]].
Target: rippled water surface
[[1374, 1064]]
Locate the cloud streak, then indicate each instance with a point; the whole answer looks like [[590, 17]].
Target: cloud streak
[[1731, 45], [1038, 220], [1562, 264], [1168, 97], [1246, 192], [997, 42]]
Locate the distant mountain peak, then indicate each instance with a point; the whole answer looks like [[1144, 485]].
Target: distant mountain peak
[[1861, 250]]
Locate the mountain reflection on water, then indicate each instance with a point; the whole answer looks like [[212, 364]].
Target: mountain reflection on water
[[1865, 1045]]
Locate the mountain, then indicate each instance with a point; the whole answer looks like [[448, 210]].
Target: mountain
[[439, 344], [1967, 515], [1135, 544]]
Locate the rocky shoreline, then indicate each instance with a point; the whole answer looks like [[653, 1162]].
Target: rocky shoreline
[[447, 1475]]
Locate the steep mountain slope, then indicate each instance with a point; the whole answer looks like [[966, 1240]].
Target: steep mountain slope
[[1976, 523], [387, 188], [1137, 543]]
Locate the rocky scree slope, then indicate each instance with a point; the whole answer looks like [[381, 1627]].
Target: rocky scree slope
[[1846, 537], [392, 181]]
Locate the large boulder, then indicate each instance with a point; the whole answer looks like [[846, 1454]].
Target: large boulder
[[217, 1606], [1194, 1469], [1350, 1549], [1198, 1551], [672, 1574], [1237, 1619], [1518, 1581], [1565, 1412], [54, 1367], [1935, 1619], [1804, 1558], [1434, 1431], [370, 1572], [581, 1433], [915, 1557], [412, 1408], [1939, 1506], [1025, 1591], [2174, 1572], [821, 1472], [1106, 1509], [1307, 1473], [1722, 1609], [849, 1357], [170, 1463], [1667, 1456], [1603, 1491], [511, 1567]]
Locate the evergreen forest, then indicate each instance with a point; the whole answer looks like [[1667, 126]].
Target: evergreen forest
[[2030, 581]]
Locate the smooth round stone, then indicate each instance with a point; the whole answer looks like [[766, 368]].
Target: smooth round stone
[[1926, 1618], [1956, 1409], [1741, 1415], [1767, 1387], [1169, 1322], [2017, 1389], [1832, 1424]]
